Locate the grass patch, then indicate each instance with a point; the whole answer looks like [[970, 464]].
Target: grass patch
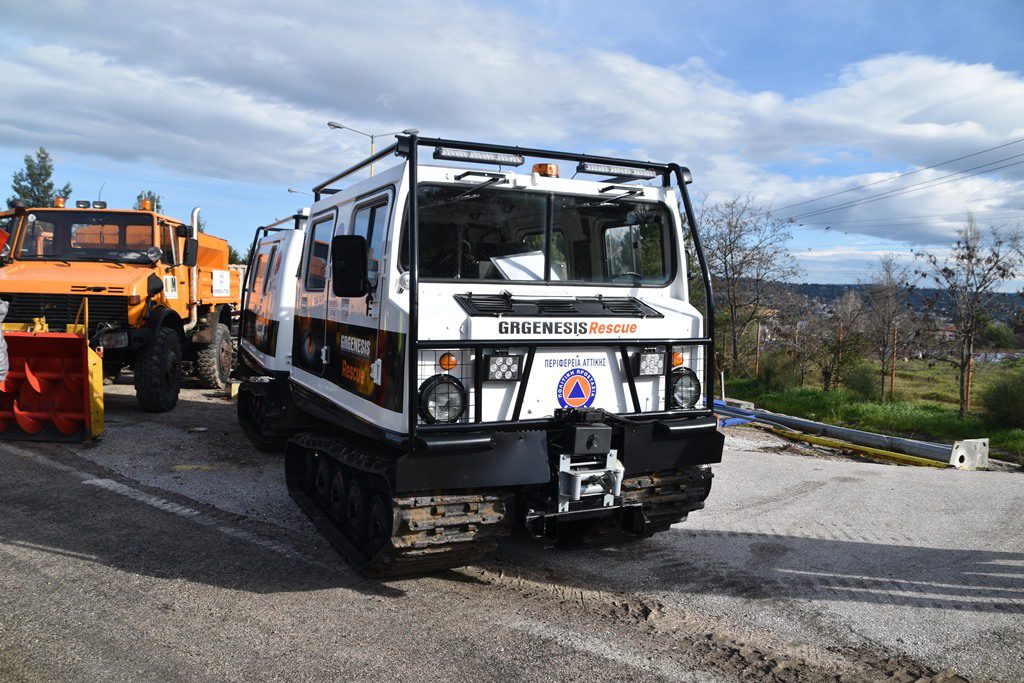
[[920, 419]]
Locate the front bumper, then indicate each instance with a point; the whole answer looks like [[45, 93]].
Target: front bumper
[[525, 458]]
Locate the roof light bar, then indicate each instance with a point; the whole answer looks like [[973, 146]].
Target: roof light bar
[[99, 205], [82, 204], [499, 158], [616, 171]]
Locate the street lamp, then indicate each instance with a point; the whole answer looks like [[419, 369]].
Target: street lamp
[[373, 136], [292, 190]]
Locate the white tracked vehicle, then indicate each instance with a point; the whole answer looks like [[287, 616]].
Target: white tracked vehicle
[[474, 348]]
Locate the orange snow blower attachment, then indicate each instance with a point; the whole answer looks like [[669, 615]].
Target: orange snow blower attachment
[[54, 387]]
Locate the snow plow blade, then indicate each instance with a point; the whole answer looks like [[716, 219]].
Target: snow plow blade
[[53, 390]]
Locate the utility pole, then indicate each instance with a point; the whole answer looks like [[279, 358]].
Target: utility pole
[[970, 372], [757, 351], [892, 370], [373, 136]]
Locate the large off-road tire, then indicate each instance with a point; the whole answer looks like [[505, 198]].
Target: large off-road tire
[[158, 372], [213, 360]]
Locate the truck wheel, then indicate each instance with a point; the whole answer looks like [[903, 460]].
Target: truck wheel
[[213, 360], [158, 372]]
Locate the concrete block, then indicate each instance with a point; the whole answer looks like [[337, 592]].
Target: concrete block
[[969, 454]]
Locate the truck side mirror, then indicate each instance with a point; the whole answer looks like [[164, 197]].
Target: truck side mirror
[[349, 266], [191, 255]]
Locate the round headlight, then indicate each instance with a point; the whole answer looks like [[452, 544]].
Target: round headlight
[[686, 388], [442, 399]]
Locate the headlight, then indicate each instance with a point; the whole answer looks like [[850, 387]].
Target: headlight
[[112, 339], [503, 367], [685, 388], [442, 399], [649, 363]]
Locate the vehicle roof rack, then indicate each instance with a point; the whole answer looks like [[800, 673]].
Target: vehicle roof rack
[[619, 169]]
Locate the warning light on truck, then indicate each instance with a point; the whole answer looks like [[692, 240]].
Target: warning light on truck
[[616, 171], [499, 158], [548, 170]]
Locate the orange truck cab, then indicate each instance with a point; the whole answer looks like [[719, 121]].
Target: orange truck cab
[[158, 295]]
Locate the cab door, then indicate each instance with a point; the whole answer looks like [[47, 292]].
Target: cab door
[[360, 349], [310, 330]]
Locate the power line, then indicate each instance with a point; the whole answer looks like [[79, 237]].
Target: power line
[[912, 188], [890, 219], [901, 175]]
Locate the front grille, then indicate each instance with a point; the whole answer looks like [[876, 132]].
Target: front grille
[[498, 305], [60, 309]]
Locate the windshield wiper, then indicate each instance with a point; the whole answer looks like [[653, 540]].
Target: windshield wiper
[[108, 260], [627, 192], [494, 179]]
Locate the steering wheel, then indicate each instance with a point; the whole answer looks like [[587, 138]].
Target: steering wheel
[[468, 253]]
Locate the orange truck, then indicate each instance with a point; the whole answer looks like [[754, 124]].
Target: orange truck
[[92, 290]]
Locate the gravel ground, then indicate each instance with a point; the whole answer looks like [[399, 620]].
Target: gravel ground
[[170, 550]]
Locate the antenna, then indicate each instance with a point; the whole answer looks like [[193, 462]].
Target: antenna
[[99, 195]]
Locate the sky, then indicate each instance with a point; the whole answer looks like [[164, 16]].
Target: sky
[[224, 104]]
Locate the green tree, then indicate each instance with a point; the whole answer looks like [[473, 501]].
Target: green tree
[[153, 198], [233, 256], [972, 274], [34, 184]]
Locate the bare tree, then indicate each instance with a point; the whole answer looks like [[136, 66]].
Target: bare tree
[[971, 275], [747, 256], [890, 324], [790, 330], [837, 342]]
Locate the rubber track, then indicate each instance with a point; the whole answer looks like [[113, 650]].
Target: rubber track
[[429, 532], [668, 498], [265, 436]]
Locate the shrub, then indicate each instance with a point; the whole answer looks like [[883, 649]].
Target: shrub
[[1004, 398], [864, 381], [777, 372]]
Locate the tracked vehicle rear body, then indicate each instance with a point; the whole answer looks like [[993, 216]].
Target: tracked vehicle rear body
[[474, 349]]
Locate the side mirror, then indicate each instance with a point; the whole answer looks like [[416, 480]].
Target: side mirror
[[154, 285], [191, 255], [348, 266]]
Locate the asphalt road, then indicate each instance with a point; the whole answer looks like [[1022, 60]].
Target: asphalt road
[[170, 551]]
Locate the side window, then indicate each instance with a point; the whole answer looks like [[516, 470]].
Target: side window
[[620, 250], [259, 275], [372, 223], [38, 239], [168, 240], [635, 249], [319, 249], [271, 268]]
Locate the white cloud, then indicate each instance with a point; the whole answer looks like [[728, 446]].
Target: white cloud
[[242, 91]]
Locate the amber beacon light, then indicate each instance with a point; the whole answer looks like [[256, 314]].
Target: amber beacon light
[[549, 170]]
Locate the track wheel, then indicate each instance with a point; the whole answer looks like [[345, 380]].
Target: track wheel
[[323, 481], [378, 531], [309, 463], [355, 510], [339, 495]]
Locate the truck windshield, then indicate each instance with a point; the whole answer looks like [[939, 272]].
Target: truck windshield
[[496, 234], [86, 236]]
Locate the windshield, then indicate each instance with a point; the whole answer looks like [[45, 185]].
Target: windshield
[[496, 234], [86, 236]]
